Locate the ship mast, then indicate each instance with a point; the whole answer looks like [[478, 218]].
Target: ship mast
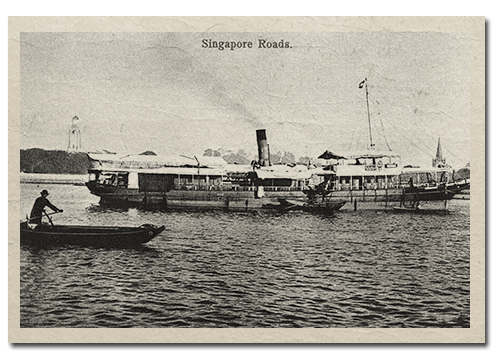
[[372, 145]]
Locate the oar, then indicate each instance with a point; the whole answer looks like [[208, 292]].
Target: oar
[[52, 213], [51, 223]]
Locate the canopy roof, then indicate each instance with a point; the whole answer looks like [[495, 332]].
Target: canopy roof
[[185, 171], [283, 171], [327, 155], [372, 154], [171, 160]]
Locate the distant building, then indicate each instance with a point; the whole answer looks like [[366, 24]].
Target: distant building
[[75, 137], [439, 161]]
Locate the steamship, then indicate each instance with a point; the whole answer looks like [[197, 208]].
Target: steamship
[[367, 180], [200, 182]]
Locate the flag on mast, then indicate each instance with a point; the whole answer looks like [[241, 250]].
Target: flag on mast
[[361, 85]]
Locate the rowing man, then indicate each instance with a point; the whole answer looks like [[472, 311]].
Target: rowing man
[[39, 206]]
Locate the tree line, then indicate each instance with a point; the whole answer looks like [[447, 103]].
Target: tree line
[[36, 160], [242, 158]]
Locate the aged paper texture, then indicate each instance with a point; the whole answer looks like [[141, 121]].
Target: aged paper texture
[[471, 28]]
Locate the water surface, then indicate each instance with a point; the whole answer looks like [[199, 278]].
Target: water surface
[[257, 269]]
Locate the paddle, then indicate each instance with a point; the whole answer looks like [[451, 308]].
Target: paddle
[[51, 223], [52, 213]]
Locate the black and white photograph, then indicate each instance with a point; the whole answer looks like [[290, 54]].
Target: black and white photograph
[[267, 180]]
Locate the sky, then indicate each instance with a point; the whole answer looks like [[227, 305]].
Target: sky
[[166, 93]]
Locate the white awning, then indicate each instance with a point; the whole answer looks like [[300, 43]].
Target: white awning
[[370, 154], [283, 172], [142, 161], [185, 171]]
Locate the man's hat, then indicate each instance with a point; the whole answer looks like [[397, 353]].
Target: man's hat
[[44, 192]]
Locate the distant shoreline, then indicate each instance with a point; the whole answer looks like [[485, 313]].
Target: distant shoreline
[[41, 178]]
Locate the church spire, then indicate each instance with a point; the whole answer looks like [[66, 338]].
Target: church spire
[[439, 161], [439, 153]]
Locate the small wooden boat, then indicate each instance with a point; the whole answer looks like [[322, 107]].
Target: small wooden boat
[[89, 235], [311, 206], [406, 209], [322, 207]]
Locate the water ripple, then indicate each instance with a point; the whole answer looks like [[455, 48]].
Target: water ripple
[[258, 269]]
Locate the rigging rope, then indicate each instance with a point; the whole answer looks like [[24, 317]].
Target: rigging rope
[[381, 123], [409, 140], [413, 134]]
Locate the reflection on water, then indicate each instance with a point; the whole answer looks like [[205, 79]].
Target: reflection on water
[[221, 269]]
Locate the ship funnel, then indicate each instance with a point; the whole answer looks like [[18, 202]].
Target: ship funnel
[[263, 148]]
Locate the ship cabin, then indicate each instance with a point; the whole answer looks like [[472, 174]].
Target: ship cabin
[[159, 179], [283, 177], [375, 171], [111, 178], [426, 177], [155, 173], [164, 179], [362, 171]]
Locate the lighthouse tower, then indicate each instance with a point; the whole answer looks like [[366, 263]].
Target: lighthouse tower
[[75, 137]]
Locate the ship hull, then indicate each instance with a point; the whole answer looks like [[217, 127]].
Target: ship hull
[[236, 199], [244, 199], [430, 198]]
